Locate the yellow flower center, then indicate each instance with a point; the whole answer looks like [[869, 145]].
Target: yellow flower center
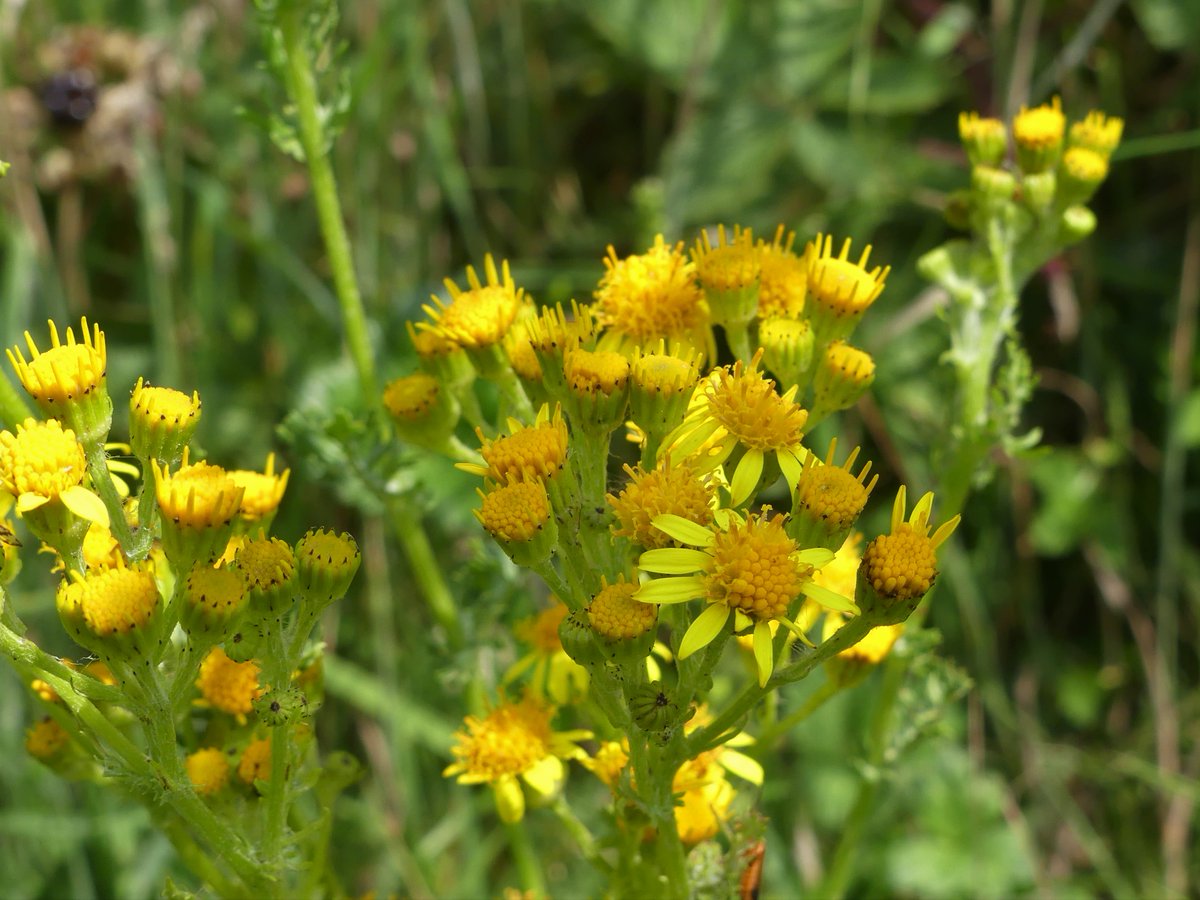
[[255, 764], [431, 345], [832, 494], [535, 452], [839, 286], [45, 738], [65, 371], [262, 492], [409, 399], [541, 632], [747, 405], [900, 565], [1098, 132], [208, 770], [162, 407], [554, 332], [590, 372], [229, 686], [849, 364], [973, 128], [480, 317], [614, 613], [219, 592], [728, 266], [515, 512], [1040, 127], [783, 335], [679, 490], [663, 374], [266, 563], [42, 458], [198, 496], [754, 569], [650, 296], [1085, 165], [327, 551], [116, 601], [510, 740]]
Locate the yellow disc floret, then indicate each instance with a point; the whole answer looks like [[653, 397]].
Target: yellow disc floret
[[651, 295], [262, 492], [1097, 132], [65, 372], [411, 397], [215, 593], [510, 740], [208, 770], [480, 316], [840, 287], [515, 512], [753, 568], [677, 489], [1085, 165], [589, 372], [45, 739], [745, 403], [1041, 127], [532, 452], [42, 459], [255, 764], [901, 565], [731, 264], [117, 601], [198, 496], [229, 686], [615, 615], [831, 493]]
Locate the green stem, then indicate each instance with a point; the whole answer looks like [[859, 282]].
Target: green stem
[[579, 833], [194, 856], [426, 571], [276, 801], [97, 463], [528, 866], [738, 338], [301, 87]]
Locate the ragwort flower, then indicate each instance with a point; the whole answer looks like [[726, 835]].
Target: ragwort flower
[[513, 743], [748, 568]]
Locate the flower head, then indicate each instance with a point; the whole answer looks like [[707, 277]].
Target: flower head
[[262, 492], [681, 490], [985, 140], [705, 801], [45, 738], [528, 452], [43, 463], [118, 601], [68, 379], [898, 568], [229, 686], [609, 761], [739, 406], [843, 375], [616, 615], [213, 600], [839, 290], [782, 278], [787, 346], [1038, 134], [1097, 132], [268, 566], [518, 514], [255, 764], [480, 316], [326, 563], [198, 504], [161, 421], [652, 296], [828, 499], [749, 567], [554, 676], [728, 271], [208, 770], [514, 740]]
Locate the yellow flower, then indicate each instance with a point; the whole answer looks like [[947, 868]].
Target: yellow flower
[[118, 601], [554, 675], [783, 277], [680, 489], [828, 499], [748, 568], [480, 316], [651, 296], [787, 347], [615, 615], [68, 380], [1097, 132], [514, 741], [739, 406], [43, 464], [527, 453], [161, 421], [843, 375], [840, 291], [1038, 134], [255, 764], [199, 504], [261, 491], [516, 512], [208, 770], [609, 761], [269, 566], [44, 739], [985, 140], [229, 686], [729, 272], [898, 568], [213, 599], [706, 796], [326, 563]]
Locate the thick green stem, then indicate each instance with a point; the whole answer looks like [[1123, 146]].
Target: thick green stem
[[301, 87], [526, 859], [426, 571], [97, 463]]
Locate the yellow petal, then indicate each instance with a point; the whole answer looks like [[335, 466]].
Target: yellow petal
[[764, 652], [898, 508], [510, 799], [829, 599], [745, 476], [120, 467], [546, 776], [920, 514], [28, 501], [673, 561], [741, 765], [676, 589], [796, 630], [816, 557], [944, 531], [683, 530], [473, 468], [85, 504], [704, 629], [791, 465], [688, 443]]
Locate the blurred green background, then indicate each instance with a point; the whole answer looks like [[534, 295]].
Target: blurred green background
[[543, 131]]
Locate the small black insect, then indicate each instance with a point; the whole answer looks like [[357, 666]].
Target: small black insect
[[70, 97]]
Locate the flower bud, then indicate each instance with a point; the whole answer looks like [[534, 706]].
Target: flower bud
[[984, 139], [787, 346], [68, 381], [1038, 134], [518, 516], [424, 413], [161, 422]]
